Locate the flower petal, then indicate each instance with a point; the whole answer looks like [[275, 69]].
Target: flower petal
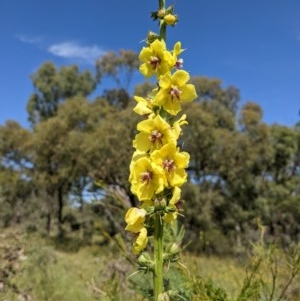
[[141, 241], [180, 77]]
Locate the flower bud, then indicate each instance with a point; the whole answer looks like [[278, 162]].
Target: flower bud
[[170, 209], [161, 13], [170, 19], [173, 293], [160, 203], [144, 260], [175, 249], [151, 37], [163, 297]]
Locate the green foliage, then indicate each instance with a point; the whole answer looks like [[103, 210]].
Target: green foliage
[[33, 267], [120, 67], [242, 173], [53, 86]]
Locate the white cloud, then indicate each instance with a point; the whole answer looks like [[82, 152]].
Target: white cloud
[[72, 50], [68, 49], [29, 39]]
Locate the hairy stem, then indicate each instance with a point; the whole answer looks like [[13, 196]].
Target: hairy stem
[[162, 25], [158, 255], [158, 222]]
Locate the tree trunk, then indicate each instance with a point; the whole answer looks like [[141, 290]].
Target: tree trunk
[[60, 199], [48, 223]]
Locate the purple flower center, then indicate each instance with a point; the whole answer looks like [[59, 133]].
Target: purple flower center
[[179, 63], [175, 93], [169, 165], [156, 136], [146, 177], [154, 62]]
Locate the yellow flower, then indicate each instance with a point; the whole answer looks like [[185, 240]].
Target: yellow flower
[[141, 241], [177, 125], [176, 52], [143, 107], [173, 201], [147, 203], [136, 155], [156, 59], [146, 179], [135, 219], [154, 133], [173, 163], [169, 217], [175, 197], [174, 91]]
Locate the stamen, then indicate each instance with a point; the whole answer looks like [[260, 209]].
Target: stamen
[[156, 136], [179, 64], [146, 177], [175, 93], [154, 62], [169, 165]]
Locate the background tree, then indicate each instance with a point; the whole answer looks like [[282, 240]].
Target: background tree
[[15, 178], [53, 86], [72, 165], [120, 67], [282, 191]]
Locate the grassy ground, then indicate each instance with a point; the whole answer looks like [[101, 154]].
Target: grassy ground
[[39, 269]]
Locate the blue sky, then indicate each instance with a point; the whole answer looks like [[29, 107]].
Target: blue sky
[[253, 45]]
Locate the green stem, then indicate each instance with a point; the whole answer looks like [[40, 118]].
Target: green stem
[[162, 30], [158, 279], [162, 25], [158, 255]]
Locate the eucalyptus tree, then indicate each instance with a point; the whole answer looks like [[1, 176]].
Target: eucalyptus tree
[[53, 86], [15, 176], [120, 67]]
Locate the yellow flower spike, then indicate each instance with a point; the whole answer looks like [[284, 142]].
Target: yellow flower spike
[[174, 91], [173, 163], [135, 219], [156, 59], [154, 133], [141, 241], [147, 179]]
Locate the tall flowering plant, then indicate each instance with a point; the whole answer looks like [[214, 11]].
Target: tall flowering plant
[[158, 166]]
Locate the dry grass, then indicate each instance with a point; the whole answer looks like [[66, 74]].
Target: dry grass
[[33, 268]]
